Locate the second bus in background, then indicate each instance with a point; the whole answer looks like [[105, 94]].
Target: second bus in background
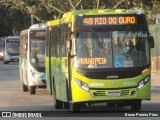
[[32, 58]]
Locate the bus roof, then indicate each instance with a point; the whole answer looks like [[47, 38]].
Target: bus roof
[[11, 37], [68, 16], [99, 12], [37, 26]]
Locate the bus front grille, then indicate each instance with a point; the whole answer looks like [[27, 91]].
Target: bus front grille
[[117, 93]]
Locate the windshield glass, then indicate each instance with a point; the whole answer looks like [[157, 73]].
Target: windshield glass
[[38, 52], [111, 49], [12, 46]]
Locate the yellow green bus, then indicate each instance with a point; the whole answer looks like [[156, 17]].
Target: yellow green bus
[[99, 56]]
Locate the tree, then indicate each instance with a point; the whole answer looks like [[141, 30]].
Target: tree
[[12, 21], [152, 11], [46, 10]]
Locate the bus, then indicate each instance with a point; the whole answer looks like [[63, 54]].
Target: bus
[[99, 56], [11, 49], [32, 58]]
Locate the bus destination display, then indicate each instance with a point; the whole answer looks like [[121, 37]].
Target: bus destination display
[[109, 20], [12, 40], [38, 33]]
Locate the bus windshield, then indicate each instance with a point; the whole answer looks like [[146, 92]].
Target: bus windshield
[[12, 46], [38, 52], [111, 49]]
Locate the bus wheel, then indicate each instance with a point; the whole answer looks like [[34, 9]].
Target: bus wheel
[[58, 104], [32, 90], [136, 105], [75, 107], [66, 105], [25, 88]]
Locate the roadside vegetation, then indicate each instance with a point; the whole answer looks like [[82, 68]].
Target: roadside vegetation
[[16, 15]]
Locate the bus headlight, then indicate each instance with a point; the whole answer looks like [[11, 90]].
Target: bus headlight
[[81, 84], [143, 82], [1, 53]]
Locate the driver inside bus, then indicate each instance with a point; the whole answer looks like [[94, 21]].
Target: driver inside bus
[[35, 50], [128, 46]]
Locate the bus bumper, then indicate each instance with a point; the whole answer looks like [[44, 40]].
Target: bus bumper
[[95, 95], [39, 82]]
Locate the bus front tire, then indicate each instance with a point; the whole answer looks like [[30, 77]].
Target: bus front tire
[[32, 90], [75, 107], [25, 88], [66, 105], [136, 105], [58, 104]]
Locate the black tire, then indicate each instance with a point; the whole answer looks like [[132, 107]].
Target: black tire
[[25, 88], [136, 105], [76, 107], [32, 90], [66, 105], [58, 104]]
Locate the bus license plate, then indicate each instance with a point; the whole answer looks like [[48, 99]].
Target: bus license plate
[[113, 94]]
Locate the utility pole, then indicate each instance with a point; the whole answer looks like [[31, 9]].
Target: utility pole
[[98, 4], [31, 19]]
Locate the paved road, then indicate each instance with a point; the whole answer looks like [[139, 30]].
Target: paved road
[[12, 98], [11, 94]]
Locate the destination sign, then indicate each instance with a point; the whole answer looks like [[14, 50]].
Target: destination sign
[[12, 40], [92, 61], [109, 20], [38, 33]]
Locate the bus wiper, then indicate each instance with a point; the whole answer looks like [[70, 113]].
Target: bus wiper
[[124, 37], [98, 42], [86, 49]]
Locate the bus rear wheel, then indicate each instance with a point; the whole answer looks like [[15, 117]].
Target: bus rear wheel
[[136, 105], [32, 90]]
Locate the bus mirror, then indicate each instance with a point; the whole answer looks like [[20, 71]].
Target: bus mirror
[[69, 45], [151, 41], [25, 46], [77, 35]]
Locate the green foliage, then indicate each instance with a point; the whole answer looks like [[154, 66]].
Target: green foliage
[[15, 14], [12, 21]]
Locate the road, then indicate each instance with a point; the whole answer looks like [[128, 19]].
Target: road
[[11, 94], [13, 99]]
